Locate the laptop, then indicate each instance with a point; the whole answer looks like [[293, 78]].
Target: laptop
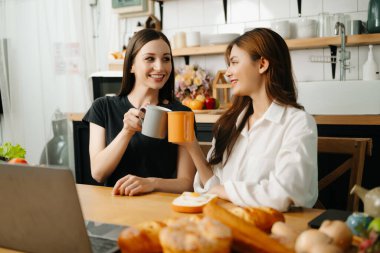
[[40, 212]]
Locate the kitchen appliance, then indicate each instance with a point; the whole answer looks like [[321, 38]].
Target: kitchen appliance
[[106, 83]]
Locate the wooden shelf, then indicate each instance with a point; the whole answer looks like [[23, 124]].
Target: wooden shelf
[[293, 44], [352, 40], [205, 50]]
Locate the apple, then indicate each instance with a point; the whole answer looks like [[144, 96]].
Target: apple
[[18, 160], [217, 103], [210, 103]]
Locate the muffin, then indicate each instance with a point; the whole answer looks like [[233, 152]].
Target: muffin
[[194, 234]]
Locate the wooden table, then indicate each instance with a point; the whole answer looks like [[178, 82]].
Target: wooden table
[[98, 204]]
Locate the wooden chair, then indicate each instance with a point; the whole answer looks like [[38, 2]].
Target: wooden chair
[[357, 149]]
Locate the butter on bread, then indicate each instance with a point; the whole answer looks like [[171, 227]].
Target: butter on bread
[[192, 202], [261, 217], [141, 238], [246, 238]]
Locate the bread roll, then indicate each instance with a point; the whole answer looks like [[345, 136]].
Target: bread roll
[[261, 217], [194, 234], [192, 202], [141, 238], [246, 238]]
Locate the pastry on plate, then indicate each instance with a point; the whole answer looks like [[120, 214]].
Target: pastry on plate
[[192, 202]]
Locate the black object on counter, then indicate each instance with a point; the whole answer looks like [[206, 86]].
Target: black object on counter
[[329, 214], [299, 4], [333, 59]]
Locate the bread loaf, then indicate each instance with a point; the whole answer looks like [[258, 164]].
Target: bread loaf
[[141, 238], [261, 217], [247, 238]]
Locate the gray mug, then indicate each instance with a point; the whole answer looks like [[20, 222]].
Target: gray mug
[[155, 122], [356, 27]]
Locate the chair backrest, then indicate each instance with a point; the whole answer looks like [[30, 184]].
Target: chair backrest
[[81, 133], [356, 149]]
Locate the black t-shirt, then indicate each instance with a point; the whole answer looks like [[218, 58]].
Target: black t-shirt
[[144, 156]]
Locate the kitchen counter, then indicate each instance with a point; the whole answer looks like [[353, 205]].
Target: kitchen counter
[[320, 119]]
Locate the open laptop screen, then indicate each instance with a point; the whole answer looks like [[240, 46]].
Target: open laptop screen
[[40, 210]]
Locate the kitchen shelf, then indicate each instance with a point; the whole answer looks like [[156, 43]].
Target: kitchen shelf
[[293, 44]]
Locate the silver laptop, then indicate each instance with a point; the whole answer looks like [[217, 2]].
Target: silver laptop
[[40, 212]]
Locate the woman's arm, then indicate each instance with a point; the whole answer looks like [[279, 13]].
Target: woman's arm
[[185, 175], [203, 168], [132, 185], [104, 159]]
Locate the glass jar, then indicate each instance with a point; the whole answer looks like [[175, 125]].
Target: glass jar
[[373, 23]]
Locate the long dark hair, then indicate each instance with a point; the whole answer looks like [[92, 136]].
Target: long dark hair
[[135, 44], [279, 86]]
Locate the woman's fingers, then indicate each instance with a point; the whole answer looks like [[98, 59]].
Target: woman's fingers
[[136, 190], [132, 120], [132, 185], [121, 184], [127, 184], [128, 190]]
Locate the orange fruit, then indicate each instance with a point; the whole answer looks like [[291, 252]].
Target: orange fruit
[[186, 101], [196, 104]]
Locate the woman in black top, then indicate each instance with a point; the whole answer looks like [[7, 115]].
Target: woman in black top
[[120, 155]]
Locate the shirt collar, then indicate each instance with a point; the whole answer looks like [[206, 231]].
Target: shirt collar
[[273, 113]]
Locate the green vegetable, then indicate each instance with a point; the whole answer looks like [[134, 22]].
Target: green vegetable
[[375, 225], [8, 151]]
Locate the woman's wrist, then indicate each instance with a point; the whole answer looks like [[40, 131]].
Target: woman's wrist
[[153, 182], [126, 133]]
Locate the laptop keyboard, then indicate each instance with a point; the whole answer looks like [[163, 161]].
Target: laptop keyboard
[[102, 245]]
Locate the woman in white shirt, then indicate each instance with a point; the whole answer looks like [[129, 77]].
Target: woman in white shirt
[[264, 151]]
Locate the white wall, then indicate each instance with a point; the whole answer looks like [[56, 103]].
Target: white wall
[[33, 29], [207, 16]]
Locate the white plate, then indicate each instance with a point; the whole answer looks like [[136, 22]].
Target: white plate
[[223, 38]]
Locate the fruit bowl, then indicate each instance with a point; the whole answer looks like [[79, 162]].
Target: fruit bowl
[[212, 111]]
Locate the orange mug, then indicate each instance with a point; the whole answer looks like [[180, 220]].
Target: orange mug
[[180, 126]]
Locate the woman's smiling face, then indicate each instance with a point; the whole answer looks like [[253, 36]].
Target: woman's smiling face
[[152, 65], [243, 73]]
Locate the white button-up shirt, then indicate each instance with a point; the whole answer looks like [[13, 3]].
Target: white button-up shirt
[[274, 163]]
